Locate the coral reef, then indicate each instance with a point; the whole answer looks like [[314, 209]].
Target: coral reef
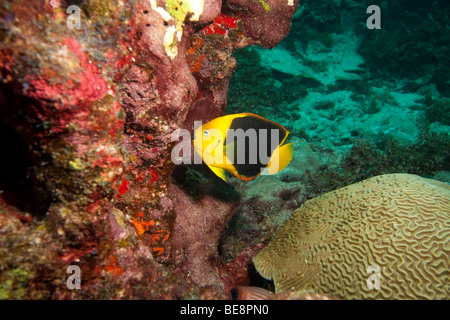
[[265, 15], [397, 224], [92, 105]]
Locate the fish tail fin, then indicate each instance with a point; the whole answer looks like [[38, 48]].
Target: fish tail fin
[[281, 157], [218, 172]]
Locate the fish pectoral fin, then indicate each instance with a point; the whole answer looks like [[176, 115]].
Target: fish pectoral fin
[[218, 172], [281, 157], [229, 151]]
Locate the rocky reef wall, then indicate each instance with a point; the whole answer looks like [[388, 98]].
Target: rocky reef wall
[[90, 94]]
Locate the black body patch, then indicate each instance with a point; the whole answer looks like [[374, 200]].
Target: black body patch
[[249, 146]]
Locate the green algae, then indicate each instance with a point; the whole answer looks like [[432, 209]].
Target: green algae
[[13, 284], [180, 9], [265, 5]]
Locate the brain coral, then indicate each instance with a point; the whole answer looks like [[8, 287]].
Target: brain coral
[[390, 233]]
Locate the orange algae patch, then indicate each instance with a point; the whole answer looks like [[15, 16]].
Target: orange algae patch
[[158, 250], [194, 62], [197, 43], [155, 237], [143, 226], [113, 267], [197, 65], [147, 224]]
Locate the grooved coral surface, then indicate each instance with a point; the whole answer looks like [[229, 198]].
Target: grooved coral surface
[[399, 223]]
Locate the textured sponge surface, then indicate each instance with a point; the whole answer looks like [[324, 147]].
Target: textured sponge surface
[[391, 230]]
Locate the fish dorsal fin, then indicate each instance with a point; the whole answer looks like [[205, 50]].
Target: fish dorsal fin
[[218, 172], [284, 155]]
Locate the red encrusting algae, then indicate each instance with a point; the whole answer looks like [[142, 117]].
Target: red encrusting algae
[[220, 25], [123, 187]]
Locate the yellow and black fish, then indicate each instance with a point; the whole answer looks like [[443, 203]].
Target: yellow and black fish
[[244, 144]]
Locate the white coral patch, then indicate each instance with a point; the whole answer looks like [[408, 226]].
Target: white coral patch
[[196, 7], [170, 43], [163, 13]]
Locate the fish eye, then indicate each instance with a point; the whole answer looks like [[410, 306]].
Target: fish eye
[[206, 133]]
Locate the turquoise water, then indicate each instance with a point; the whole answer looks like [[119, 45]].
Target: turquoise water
[[358, 102]]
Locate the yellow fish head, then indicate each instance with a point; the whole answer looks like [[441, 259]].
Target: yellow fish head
[[208, 143]]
